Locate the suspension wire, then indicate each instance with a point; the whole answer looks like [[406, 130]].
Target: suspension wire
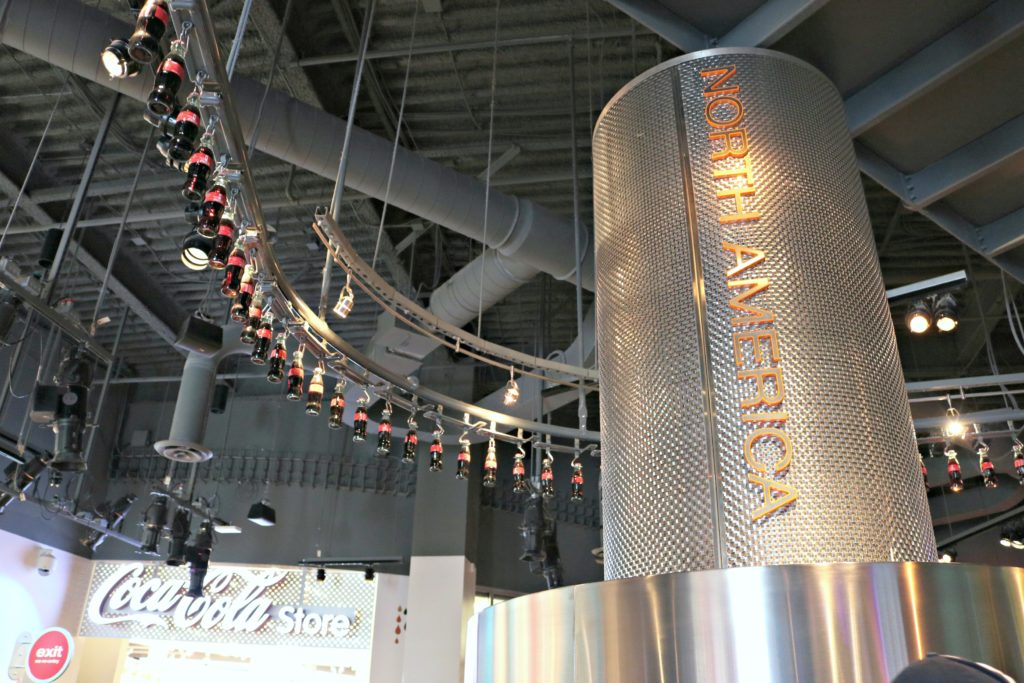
[[398, 135], [270, 78], [487, 180], [35, 158], [581, 395]]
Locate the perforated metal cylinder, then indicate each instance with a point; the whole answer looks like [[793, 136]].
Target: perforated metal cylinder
[[753, 410]]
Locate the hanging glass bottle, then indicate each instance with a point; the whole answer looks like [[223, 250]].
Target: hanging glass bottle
[[278, 358], [437, 449], [264, 338], [360, 418], [547, 476], [169, 77], [296, 376], [491, 464], [252, 321], [315, 395], [1018, 461], [243, 300], [956, 480], [384, 431], [223, 241], [150, 26], [186, 130], [519, 471], [214, 202], [463, 459], [411, 441], [233, 271], [199, 169], [988, 470], [924, 472], [337, 405], [576, 491]]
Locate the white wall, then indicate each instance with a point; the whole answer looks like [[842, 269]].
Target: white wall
[[32, 602]]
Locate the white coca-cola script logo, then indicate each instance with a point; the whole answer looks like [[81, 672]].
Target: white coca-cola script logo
[[128, 596]]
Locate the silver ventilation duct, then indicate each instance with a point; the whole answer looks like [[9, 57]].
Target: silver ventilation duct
[[70, 35]]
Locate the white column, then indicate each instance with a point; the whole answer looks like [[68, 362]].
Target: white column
[[441, 590]]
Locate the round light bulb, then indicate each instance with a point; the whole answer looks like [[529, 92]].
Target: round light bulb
[[919, 323], [945, 323]]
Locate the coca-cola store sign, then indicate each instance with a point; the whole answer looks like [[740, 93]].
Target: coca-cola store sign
[[244, 605]]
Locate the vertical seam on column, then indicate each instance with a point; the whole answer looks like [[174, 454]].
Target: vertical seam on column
[[700, 303]]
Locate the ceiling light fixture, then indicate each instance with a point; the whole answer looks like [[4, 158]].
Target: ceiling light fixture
[[1006, 537], [511, 388], [117, 61], [948, 556], [195, 251], [153, 525], [919, 317], [954, 427], [346, 300], [946, 313]]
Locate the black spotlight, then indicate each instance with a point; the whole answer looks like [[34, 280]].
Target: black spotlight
[[948, 555], [369, 573], [110, 515], [946, 314], [199, 559], [321, 574], [261, 513], [153, 525], [1006, 537], [51, 242], [117, 61], [195, 251], [180, 527]]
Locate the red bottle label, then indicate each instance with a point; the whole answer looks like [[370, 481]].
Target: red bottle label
[[246, 287], [279, 353], [226, 229], [464, 455], [953, 467], [518, 469], [191, 117], [360, 414], [200, 158], [577, 478], [255, 312], [1018, 462], [435, 448], [338, 402], [384, 428], [987, 466], [174, 67], [215, 196], [235, 260], [295, 372], [547, 475], [153, 9], [411, 438], [265, 333]]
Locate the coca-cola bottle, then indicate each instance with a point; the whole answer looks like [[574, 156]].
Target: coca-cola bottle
[[547, 478], [1018, 461], [150, 26], [924, 473], [337, 417], [214, 201], [223, 241], [576, 490], [261, 349], [278, 358], [169, 76], [252, 322], [243, 300], [359, 421], [490, 465], [988, 470], [233, 272], [519, 472], [199, 168], [186, 131], [956, 480], [463, 459], [295, 377], [315, 395], [410, 443], [436, 452], [384, 432]]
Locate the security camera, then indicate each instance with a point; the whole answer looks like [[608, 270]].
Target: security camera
[[45, 561]]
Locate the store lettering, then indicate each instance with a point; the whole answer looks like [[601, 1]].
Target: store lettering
[[128, 597], [753, 323]]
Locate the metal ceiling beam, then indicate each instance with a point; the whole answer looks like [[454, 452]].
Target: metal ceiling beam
[[981, 417], [1003, 234], [769, 22], [962, 47], [946, 218], [966, 164], [666, 23]]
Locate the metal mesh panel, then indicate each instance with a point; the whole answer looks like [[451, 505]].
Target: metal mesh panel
[[854, 463]]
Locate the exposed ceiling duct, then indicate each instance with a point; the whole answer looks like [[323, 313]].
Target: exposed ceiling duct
[[71, 35]]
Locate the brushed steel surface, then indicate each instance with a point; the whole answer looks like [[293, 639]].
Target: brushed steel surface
[[665, 477], [839, 623]]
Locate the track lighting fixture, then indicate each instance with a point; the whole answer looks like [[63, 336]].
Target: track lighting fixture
[[150, 27], [199, 559], [153, 524], [117, 61], [262, 514], [947, 556], [337, 418], [346, 300], [946, 314], [110, 515], [180, 527], [956, 479], [954, 427], [169, 77], [511, 389], [919, 317], [490, 464], [384, 431], [195, 251], [1017, 540]]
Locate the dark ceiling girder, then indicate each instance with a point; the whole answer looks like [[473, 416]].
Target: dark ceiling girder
[[663, 21], [770, 22]]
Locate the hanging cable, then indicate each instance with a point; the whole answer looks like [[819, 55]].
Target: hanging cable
[[270, 77], [398, 135], [581, 396], [487, 180]]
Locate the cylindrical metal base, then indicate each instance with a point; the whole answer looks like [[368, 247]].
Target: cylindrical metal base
[[837, 623]]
